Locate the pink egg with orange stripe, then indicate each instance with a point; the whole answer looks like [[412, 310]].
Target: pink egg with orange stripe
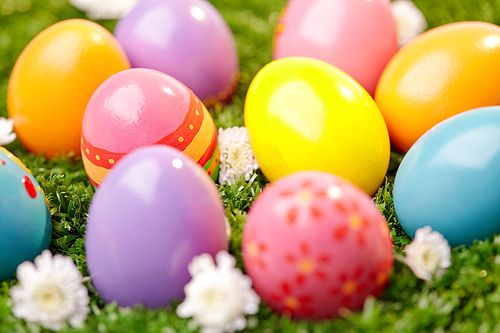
[[314, 243], [141, 107]]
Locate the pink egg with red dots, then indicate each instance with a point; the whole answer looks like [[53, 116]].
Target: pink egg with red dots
[[314, 243]]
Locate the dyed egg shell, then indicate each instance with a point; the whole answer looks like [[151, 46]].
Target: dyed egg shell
[[449, 178], [313, 243], [53, 79], [357, 36], [25, 224], [140, 107], [445, 71], [147, 220], [304, 114], [189, 40]]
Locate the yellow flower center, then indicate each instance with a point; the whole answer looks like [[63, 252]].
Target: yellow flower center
[[213, 298], [49, 297], [237, 157], [430, 259]]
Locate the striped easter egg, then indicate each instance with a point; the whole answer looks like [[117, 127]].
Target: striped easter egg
[[141, 107]]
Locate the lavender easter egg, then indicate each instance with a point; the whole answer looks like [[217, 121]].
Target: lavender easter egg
[[313, 243], [25, 224], [189, 40], [141, 107], [357, 36], [148, 219]]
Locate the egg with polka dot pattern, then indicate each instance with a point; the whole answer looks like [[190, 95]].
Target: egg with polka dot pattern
[[141, 107], [25, 224], [314, 243]]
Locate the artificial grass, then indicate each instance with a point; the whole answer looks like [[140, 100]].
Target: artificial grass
[[466, 299]]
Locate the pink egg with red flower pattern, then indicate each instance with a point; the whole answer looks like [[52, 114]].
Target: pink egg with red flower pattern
[[314, 243]]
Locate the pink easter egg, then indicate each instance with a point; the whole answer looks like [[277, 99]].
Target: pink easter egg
[[141, 107], [313, 243], [357, 36]]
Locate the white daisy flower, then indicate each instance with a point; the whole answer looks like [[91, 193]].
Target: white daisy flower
[[410, 22], [217, 298], [236, 155], [50, 292], [105, 9], [429, 254], [6, 134]]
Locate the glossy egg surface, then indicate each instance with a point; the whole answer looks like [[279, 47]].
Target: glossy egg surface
[[449, 178], [305, 114], [148, 219], [313, 243], [444, 71], [53, 80], [189, 40], [25, 223], [141, 107], [357, 36]]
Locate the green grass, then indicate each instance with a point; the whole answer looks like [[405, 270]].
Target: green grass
[[466, 299]]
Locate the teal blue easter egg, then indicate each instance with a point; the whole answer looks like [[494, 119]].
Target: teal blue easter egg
[[450, 178], [25, 224]]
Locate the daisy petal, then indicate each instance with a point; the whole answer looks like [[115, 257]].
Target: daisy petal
[[200, 264], [50, 292], [429, 255], [105, 9], [236, 155], [6, 128], [410, 22], [218, 297]]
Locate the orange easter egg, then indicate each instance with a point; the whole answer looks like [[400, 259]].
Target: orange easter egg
[[445, 71], [53, 80]]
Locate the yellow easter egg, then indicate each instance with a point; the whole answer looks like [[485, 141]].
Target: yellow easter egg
[[305, 114]]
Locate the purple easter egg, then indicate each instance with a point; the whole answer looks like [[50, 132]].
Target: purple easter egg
[[150, 216], [189, 40]]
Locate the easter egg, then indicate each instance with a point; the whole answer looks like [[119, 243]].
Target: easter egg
[[189, 40], [148, 219], [357, 36], [304, 114], [313, 243], [53, 79], [140, 107], [445, 71], [449, 178], [25, 224]]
